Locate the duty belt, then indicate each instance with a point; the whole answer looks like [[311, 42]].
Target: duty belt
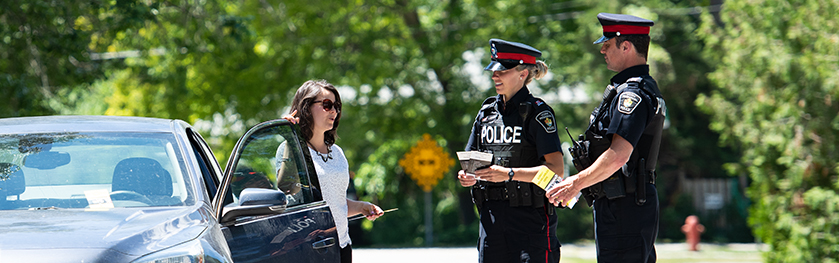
[[496, 193], [602, 193]]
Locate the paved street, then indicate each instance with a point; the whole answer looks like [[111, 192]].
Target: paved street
[[677, 252]]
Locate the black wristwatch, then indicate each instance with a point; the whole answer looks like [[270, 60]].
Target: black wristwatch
[[511, 173]]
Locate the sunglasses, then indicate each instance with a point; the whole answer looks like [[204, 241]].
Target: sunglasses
[[329, 104]]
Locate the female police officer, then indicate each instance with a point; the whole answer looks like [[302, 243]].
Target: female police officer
[[517, 222]]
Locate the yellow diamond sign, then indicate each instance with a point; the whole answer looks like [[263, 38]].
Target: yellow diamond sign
[[426, 163]]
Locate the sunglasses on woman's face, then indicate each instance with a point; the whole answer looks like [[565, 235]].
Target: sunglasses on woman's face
[[329, 104]]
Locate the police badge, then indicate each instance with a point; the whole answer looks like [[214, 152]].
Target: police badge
[[627, 102], [546, 118]]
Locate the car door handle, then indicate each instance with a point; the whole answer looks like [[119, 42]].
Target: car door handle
[[324, 243]]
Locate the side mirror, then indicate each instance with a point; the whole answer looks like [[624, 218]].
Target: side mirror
[[255, 201], [262, 196], [46, 160]]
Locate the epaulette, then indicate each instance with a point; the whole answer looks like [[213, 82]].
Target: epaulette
[[631, 82], [635, 79]]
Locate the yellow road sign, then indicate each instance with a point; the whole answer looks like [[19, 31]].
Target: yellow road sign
[[426, 163]]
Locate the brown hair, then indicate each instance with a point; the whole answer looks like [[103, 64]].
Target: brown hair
[[641, 43], [302, 103]]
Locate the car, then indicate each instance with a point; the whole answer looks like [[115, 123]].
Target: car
[[138, 189]]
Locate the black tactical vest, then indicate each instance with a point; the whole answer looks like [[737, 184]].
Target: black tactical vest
[[505, 136], [645, 154]]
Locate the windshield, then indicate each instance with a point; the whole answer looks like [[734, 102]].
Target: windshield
[[91, 171]]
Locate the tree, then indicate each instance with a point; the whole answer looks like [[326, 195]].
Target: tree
[[403, 68], [776, 72], [44, 50]]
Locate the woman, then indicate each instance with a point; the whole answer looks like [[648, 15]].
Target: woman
[[319, 108], [517, 222]]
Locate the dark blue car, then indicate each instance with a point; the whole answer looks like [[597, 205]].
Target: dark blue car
[[130, 189]]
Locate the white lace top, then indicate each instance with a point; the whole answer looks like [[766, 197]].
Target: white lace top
[[334, 177]]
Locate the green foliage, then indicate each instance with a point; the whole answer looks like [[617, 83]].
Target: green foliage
[[402, 67], [43, 48], [776, 72]]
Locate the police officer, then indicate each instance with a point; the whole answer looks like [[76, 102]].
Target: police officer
[[517, 222], [623, 139]]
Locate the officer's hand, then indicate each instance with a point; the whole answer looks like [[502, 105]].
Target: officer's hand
[[291, 117], [494, 173], [466, 180], [562, 192]]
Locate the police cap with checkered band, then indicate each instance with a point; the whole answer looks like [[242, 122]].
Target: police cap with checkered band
[[507, 55]]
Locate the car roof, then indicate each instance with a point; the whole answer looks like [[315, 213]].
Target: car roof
[[47, 124]]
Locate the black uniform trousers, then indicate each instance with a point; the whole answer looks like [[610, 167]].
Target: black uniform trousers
[[517, 234], [624, 231]]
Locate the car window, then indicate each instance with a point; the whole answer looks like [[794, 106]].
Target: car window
[[92, 170], [206, 162], [271, 158]]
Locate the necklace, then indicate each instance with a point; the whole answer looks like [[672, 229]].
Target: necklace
[[326, 156]]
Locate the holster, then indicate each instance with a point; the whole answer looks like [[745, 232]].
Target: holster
[[478, 195], [641, 182]]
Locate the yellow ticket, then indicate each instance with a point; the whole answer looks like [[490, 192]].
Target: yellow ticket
[[546, 178]]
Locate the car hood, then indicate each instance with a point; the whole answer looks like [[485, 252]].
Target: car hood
[[75, 234]]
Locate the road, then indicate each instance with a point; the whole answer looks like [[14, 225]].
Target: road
[[572, 253]]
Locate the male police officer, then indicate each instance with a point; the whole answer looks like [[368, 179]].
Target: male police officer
[[517, 222], [617, 176]]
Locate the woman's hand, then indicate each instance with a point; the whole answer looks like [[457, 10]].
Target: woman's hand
[[466, 180], [371, 211], [291, 117], [494, 173]]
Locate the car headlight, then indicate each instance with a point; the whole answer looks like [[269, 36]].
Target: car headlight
[[189, 252]]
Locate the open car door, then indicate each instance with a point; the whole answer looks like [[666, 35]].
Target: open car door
[[269, 203]]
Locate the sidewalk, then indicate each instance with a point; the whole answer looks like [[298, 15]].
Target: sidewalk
[[571, 253]]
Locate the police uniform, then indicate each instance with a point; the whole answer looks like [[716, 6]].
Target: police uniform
[[517, 222], [625, 205]]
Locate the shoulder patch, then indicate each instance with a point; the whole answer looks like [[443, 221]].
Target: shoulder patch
[[546, 119], [628, 101]]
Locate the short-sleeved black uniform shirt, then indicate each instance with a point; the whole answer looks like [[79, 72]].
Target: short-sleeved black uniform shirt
[[633, 106]]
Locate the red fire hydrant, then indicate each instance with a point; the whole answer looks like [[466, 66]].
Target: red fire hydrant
[[692, 230]]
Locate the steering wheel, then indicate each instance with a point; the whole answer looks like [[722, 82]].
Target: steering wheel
[[131, 195]]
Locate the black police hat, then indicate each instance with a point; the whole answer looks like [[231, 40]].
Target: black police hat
[[619, 25], [507, 55]]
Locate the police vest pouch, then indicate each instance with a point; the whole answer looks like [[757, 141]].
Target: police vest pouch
[[597, 145], [513, 193], [496, 193], [538, 197], [526, 194], [613, 187]]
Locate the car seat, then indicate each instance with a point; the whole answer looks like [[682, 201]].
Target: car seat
[[144, 176], [12, 183]]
